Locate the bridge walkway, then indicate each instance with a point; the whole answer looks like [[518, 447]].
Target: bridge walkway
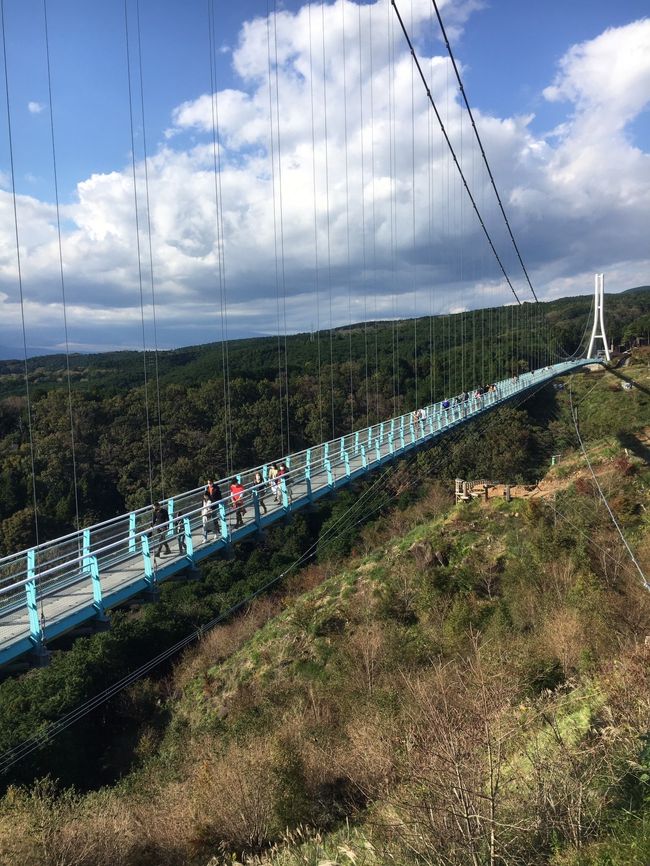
[[49, 590]]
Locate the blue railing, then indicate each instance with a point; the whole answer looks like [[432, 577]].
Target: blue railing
[[47, 590]]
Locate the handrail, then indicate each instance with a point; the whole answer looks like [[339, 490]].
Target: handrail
[[151, 530], [368, 447], [435, 409]]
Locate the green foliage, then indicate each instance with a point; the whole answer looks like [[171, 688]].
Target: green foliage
[[529, 581], [108, 406], [322, 716], [627, 843]]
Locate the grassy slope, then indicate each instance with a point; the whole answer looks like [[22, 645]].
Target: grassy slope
[[375, 693]]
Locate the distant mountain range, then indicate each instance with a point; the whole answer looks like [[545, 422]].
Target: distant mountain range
[[559, 306], [13, 353]]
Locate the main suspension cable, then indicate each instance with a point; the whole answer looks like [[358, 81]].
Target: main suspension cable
[[480, 144], [452, 151], [482, 150]]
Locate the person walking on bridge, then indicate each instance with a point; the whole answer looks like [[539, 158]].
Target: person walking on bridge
[[180, 535], [214, 495], [206, 514], [160, 525], [283, 480], [273, 481], [259, 485], [237, 491]]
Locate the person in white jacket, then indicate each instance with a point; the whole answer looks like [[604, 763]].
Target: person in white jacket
[[206, 514]]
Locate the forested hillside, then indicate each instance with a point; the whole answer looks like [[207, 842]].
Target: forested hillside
[[461, 684], [367, 373]]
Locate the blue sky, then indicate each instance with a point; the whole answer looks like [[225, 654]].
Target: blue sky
[[532, 73], [512, 48]]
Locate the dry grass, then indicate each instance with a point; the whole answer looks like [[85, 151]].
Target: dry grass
[[320, 716], [369, 754], [563, 637], [46, 827], [224, 640]]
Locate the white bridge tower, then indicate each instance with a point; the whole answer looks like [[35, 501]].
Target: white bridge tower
[[598, 330]]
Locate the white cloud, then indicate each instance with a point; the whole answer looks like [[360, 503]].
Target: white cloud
[[35, 107], [609, 73], [578, 197]]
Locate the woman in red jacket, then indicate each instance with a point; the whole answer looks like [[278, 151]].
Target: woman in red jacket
[[237, 495]]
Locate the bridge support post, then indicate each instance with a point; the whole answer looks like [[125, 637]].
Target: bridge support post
[[85, 548], [98, 596], [152, 592], [132, 541], [36, 633], [170, 522], [189, 541], [599, 317], [223, 523]]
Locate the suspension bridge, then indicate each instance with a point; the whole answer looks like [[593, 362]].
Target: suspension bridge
[[56, 586], [49, 590]]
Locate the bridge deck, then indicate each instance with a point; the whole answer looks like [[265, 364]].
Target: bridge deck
[[49, 590]]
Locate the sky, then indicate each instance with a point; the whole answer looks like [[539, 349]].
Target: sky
[[290, 173]]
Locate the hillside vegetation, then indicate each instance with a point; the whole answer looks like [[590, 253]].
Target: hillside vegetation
[[367, 374], [470, 686]]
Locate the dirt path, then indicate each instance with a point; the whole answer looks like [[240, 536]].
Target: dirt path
[[546, 487]]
